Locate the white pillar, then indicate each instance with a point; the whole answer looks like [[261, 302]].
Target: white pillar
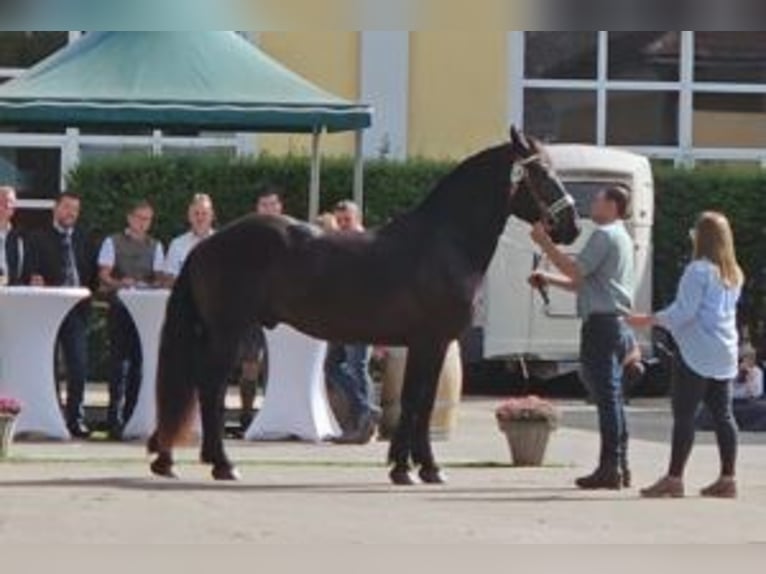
[[359, 170], [385, 79], [70, 154], [316, 173]]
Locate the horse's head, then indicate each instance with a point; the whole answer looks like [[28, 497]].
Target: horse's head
[[538, 194]]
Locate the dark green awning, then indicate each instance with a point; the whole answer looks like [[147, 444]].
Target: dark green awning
[[173, 80]]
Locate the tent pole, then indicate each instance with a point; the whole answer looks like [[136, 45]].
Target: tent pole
[[316, 174], [359, 170]]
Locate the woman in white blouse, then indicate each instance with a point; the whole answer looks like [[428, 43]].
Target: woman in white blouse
[[703, 321]]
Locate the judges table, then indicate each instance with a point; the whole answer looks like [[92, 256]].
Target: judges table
[[296, 404], [30, 318], [147, 307]]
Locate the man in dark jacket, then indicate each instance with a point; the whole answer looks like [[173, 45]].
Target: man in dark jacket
[[62, 255], [14, 262]]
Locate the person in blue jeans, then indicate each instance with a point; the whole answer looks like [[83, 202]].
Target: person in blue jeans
[[347, 367], [602, 275], [703, 322]]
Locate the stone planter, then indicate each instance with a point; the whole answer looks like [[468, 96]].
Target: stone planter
[[7, 427], [528, 441]]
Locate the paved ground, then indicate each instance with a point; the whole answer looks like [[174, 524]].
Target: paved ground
[[302, 493]]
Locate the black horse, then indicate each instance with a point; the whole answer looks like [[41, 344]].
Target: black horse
[[410, 284]]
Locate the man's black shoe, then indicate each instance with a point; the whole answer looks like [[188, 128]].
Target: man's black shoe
[[78, 429], [601, 480]]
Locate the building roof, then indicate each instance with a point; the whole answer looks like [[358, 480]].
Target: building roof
[[206, 80]]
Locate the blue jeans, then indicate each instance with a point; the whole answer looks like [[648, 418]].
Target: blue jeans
[[73, 339], [602, 353], [348, 368]]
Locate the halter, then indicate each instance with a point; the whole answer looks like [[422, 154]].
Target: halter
[[520, 173]]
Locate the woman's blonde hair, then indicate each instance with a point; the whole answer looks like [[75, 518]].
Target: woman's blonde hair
[[714, 241]]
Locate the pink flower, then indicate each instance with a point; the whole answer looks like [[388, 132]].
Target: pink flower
[[9, 406], [528, 409]]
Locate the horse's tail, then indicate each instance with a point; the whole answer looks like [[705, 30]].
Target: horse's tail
[[180, 349]]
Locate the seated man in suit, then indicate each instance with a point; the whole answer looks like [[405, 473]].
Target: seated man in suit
[[61, 255], [14, 262]]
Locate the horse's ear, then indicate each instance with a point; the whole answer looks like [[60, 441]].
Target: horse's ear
[[519, 142]]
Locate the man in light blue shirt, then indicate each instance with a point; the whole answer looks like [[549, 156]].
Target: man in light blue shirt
[[602, 277]]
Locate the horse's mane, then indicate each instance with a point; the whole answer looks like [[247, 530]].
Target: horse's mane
[[463, 177]]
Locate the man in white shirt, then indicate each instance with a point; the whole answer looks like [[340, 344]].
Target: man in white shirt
[[131, 259], [347, 367], [201, 215]]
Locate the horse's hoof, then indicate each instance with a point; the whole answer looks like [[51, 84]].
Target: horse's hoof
[[163, 469], [402, 477], [226, 474], [432, 475]]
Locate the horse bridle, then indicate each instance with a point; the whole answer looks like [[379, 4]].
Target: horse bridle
[[520, 173]]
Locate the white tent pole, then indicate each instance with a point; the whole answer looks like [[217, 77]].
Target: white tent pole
[[316, 174], [359, 170]]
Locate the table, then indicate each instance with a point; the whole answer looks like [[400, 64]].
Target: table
[[30, 319], [296, 404], [147, 307]]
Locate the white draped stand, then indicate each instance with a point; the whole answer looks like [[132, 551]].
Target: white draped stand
[[296, 404], [30, 318], [147, 307]]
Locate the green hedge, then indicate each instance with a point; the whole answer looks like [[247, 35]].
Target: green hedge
[[110, 185], [681, 196]]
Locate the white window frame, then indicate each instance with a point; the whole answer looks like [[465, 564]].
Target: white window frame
[[685, 153]]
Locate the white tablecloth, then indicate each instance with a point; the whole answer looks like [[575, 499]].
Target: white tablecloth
[[147, 307], [296, 404], [30, 318]]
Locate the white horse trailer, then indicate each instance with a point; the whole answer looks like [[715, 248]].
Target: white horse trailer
[[516, 322]]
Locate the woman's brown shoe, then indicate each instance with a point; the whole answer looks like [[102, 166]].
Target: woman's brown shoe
[[667, 487], [722, 488]]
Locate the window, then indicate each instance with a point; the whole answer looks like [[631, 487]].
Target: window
[[679, 96], [561, 115], [616, 88], [724, 120], [562, 55], [730, 57], [644, 56], [641, 118]]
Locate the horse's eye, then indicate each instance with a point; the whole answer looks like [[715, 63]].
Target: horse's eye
[[518, 173]]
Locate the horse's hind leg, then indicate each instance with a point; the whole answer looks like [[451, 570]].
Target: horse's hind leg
[[163, 464], [424, 363], [212, 396]]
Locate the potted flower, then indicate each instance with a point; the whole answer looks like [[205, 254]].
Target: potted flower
[[9, 410], [527, 423]]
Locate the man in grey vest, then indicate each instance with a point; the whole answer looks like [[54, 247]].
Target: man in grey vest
[[602, 275], [128, 260]]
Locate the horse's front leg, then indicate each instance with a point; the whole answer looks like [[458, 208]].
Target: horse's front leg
[[212, 397], [424, 363], [422, 452]]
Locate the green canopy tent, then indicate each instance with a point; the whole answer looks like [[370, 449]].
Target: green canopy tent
[[208, 80]]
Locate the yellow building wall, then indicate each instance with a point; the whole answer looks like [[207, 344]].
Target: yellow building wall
[[329, 59], [458, 92]]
